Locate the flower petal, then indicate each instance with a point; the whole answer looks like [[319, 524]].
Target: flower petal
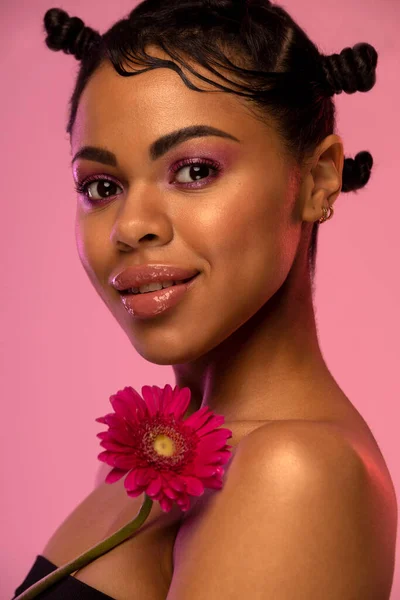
[[184, 503], [179, 403], [143, 476], [171, 493], [213, 423], [214, 440], [198, 418], [111, 419], [129, 405], [205, 470], [166, 399], [120, 434], [114, 475], [154, 487], [166, 504], [125, 461], [134, 493], [138, 479], [177, 484], [182, 403], [215, 484], [110, 444], [216, 457], [151, 399], [159, 394], [104, 456], [194, 486]]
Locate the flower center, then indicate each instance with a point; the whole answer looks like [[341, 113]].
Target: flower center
[[163, 445]]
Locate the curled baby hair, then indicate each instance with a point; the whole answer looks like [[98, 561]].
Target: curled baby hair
[[275, 66]]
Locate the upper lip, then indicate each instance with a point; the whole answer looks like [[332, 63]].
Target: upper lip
[[139, 275]]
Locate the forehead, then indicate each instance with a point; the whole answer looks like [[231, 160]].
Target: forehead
[[158, 101]]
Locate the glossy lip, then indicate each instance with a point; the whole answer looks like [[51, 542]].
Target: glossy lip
[[136, 276], [152, 304]]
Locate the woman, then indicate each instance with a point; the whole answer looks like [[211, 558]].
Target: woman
[[229, 184]]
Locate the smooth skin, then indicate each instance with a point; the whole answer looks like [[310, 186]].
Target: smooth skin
[[244, 340]]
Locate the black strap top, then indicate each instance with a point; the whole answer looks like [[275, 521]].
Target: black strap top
[[68, 588]]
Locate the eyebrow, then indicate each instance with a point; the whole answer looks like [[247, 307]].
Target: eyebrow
[[158, 148]]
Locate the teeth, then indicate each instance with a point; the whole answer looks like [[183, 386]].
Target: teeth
[[151, 287]]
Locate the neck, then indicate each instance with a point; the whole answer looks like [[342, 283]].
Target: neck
[[268, 369]]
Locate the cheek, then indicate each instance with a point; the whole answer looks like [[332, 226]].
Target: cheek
[[247, 233], [91, 251], [250, 247]]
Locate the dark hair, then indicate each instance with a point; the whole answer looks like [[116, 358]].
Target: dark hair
[[282, 74]]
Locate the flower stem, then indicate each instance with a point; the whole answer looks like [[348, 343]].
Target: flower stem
[[84, 559]]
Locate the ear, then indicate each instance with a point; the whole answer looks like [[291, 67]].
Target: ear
[[322, 178]]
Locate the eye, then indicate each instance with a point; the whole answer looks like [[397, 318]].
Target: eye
[[96, 185], [98, 188], [195, 170]]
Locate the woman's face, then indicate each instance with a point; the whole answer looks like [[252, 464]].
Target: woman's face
[[236, 223]]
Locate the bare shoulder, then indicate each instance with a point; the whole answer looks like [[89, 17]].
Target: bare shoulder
[[332, 445], [87, 523], [326, 453], [299, 454], [306, 505], [306, 440]]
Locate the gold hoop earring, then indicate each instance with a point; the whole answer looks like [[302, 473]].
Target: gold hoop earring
[[327, 213]]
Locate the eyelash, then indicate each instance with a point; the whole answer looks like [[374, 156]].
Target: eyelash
[[81, 187]]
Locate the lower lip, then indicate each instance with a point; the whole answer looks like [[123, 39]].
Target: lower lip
[[151, 304]]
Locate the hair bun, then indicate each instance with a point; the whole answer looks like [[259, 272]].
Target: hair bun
[[353, 70], [68, 34], [356, 171]]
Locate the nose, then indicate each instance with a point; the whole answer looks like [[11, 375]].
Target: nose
[[141, 222]]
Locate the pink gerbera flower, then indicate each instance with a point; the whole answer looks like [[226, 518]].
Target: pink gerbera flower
[[163, 455]]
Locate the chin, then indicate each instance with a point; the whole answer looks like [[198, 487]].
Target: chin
[[162, 353]]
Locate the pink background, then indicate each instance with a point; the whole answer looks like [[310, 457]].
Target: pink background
[[63, 354]]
